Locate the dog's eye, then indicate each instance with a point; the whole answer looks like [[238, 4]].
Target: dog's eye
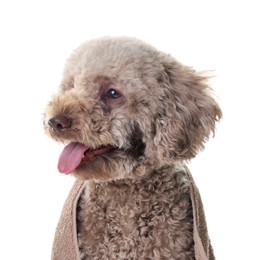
[[112, 98], [112, 93]]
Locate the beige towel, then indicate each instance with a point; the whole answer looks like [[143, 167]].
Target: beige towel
[[65, 245]]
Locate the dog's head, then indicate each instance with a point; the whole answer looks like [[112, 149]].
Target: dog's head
[[124, 107]]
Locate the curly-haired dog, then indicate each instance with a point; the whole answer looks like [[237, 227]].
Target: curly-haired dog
[[130, 116]]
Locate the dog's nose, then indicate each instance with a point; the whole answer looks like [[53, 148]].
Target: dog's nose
[[60, 124]]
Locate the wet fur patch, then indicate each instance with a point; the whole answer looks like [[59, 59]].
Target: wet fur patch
[[137, 146]]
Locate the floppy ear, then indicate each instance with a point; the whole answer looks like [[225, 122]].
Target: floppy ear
[[188, 112]]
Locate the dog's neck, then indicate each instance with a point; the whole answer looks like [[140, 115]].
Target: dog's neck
[[140, 178]]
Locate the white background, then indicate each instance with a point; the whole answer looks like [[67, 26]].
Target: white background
[[36, 37]]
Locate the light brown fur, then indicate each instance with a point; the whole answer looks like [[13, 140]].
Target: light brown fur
[[137, 202]]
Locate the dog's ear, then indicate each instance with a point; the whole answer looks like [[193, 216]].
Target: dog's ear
[[188, 112]]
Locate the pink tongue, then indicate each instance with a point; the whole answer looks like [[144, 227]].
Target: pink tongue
[[71, 157]]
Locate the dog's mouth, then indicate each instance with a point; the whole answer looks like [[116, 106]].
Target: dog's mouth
[[75, 153]]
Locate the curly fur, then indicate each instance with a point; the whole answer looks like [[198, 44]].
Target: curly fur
[[137, 202]]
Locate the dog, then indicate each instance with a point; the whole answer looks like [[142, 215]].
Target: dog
[[130, 116]]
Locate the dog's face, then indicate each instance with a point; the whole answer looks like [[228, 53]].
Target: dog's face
[[124, 107]]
